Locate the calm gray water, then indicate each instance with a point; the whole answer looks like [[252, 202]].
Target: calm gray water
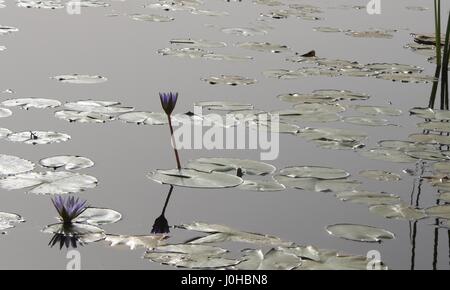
[[52, 42]]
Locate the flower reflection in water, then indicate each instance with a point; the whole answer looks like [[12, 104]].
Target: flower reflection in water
[[161, 225]]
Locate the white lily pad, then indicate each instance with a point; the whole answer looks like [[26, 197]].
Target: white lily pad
[[386, 154], [147, 118], [134, 242], [333, 138], [98, 216], [68, 162], [5, 113], [83, 117], [26, 103], [9, 220], [151, 18], [359, 233], [314, 172], [10, 165], [264, 47], [4, 133], [224, 106], [274, 259], [378, 110], [200, 43], [261, 186], [318, 185], [249, 167], [195, 179], [38, 137], [61, 182], [221, 233], [80, 79], [101, 107], [85, 233]]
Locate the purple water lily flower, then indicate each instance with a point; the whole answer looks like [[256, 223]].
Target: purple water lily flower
[[70, 208], [168, 101]]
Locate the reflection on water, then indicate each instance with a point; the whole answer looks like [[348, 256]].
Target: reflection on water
[[362, 140]]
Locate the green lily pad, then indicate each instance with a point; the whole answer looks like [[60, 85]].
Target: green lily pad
[[98, 216], [314, 172], [439, 211], [368, 198], [398, 211], [274, 259], [134, 242], [249, 167], [380, 175]]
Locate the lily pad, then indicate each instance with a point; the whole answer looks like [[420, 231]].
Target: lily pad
[[151, 18], [244, 31], [83, 117], [333, 138], [320, 96], [146, 118], [80, 79], [224, 106], [68, 162], [229, 80], [263, 47], [366, 121], [49, 182], [10, 165], [98, 216], [85, 233], [5, 113], [261, 186], [439, 211], [444, 196], [195, 179], [38, 137], [398, 211], [368, 198], [314, 172], [200, 43], [146, 242], [386, 154], [100, 107], [359, 233], [26, 103], [318, 185], [374, 110], [380, 175], [9, 220], [4, 133], [249, 167], [274, 259], [221, 233]]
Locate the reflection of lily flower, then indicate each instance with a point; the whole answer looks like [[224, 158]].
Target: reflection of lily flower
[[64, 241], [161, 225], [168, 101], [70, 208]]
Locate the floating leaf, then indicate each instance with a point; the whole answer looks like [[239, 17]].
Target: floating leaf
[[191, 256], [264, 47], [229, 80], [368, 198], [198, 43], [430, 138], [318, 185], [439, 211], [100, 107], [26, 103], [9, 220], [334, 138], [249, 167], [5, 113], [151, 18], [83, 117], [224, 106], [359, 233], [323, 96], [275, 259], [67, 162], [195, 179], [38, 137], [398, 211], [314, 172], [445, 196], [374, 110], [435, 126], [387, 154], [366, 121], [380, 175], [10, 165], [221, 233], [98, 216], [244, 31], [49, 182], [4, 133], [261, 185], [147, 118], [80, 79], [147, 242]]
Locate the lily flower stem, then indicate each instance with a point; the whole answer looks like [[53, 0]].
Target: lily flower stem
[[177, 156], [167, 200]]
